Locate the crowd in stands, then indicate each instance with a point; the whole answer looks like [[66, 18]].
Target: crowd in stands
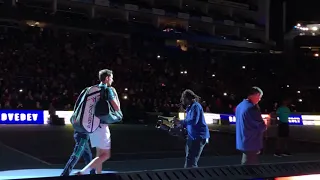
[[44, 67], [47, 67]]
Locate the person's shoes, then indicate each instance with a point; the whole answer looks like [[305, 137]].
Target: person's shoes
[[277, 155], [286, 154], [259, 152], [79, 173]]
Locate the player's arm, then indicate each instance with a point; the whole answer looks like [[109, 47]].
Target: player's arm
[[116, 95], [113, 99]]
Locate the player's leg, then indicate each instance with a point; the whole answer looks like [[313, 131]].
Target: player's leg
[[286, 140], [279, 148], [104, 155], [97, 162], [87, 156], [101, 139], [81, 140]]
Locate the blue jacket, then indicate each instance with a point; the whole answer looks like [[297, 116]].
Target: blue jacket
[[195, 123], [249, 127]]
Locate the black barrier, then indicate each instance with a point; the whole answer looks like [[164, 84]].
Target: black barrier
[[109, 176], [263, 171]]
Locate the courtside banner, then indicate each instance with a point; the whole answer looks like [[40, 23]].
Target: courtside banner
[[293, 119], [21, 117], [41, 117]]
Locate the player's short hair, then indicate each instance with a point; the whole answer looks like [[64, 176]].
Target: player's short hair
[[255, 90], [104, 73]]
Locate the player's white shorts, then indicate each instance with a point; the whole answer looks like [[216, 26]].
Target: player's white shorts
[[101, 138]]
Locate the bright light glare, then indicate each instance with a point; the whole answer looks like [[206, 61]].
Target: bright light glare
[[225, 94], [298, 24], [314, 28]]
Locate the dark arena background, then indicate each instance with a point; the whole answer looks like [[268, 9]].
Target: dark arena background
[[51, 49]]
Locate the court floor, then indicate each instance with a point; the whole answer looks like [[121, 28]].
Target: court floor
[[44, 149]]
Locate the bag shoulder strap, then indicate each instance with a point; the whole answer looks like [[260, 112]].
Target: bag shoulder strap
[[80, 98], [103, 94], [107, 93]]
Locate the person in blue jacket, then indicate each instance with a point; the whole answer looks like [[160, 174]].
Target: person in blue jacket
[[196, 126], [250, 127]]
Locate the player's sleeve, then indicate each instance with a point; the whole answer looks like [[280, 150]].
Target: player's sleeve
[[113, 99]]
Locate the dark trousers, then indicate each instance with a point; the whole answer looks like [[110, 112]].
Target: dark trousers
[[193, 152], [250, 158], [81, 148]]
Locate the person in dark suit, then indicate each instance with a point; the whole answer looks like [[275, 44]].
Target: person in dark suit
[[250, 127]]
